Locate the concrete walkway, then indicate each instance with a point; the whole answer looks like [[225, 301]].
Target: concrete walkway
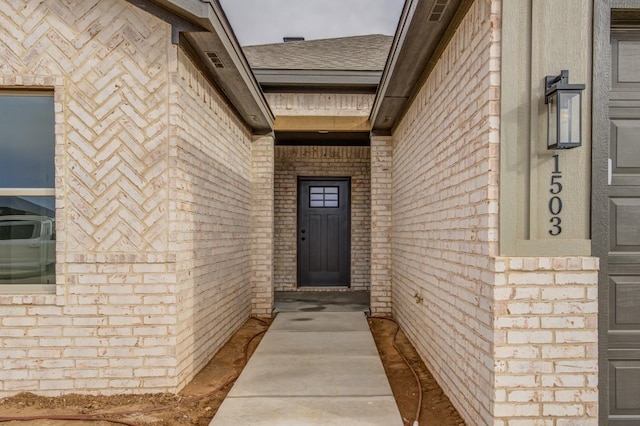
[[322, 301], [312, 368]]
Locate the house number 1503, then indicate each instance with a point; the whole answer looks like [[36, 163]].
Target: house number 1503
[[555, 202]]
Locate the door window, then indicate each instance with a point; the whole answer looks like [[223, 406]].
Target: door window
[[324, 196]]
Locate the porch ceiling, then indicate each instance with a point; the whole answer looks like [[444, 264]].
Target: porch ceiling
[[325, 124], [424, 29], [323, 139]]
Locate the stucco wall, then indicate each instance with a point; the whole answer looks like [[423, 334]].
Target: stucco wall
[[338, 161], [444, 221], [531, 53], [210, 217]]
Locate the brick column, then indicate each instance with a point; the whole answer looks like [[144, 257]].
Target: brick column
[[381, 164], [262, 169], [546, 341]]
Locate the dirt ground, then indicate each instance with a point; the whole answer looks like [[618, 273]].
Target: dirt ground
[[436, 408], [200, 399]]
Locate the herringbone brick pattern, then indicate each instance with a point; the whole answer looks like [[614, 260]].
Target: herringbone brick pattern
[[113, 59], [112, 326]]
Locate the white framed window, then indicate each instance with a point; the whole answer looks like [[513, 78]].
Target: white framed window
[[27, 190]]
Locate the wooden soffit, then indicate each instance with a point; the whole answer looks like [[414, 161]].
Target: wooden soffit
[[313, 123]]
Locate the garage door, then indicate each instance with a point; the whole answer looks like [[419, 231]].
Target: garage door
[[621, 282]]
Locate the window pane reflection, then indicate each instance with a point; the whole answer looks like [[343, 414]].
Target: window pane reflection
[[27, 240]]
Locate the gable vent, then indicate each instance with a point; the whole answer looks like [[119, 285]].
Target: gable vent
[[215, 59], [438, 10]]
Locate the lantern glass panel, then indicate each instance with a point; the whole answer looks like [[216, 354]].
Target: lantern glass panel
[[569, 117], [552, 120]]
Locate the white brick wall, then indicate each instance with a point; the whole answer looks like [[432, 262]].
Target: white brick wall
[[546, 350], [320, 104], [110, 323], [444, 226], [381, 208], [210, 212], [262, 225], [153, 206], [156, 202], [338, 161]]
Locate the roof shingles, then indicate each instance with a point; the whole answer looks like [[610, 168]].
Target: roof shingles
[[359, 53]]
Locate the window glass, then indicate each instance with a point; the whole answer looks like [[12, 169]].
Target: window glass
[[40, 206], [27, 141], [27, 240], [323, 196], [14, 230], [27, 182]]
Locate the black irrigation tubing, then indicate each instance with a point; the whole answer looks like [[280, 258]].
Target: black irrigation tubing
[[99, 418], [77, 417], [415, 375], [262, 321], [246, 353]]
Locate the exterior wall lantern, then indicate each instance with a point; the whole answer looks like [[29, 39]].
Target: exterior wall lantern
[[564, 111]]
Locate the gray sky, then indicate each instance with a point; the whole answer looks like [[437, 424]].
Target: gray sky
[[267, 21]]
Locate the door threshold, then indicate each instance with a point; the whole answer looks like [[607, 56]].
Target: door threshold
[[324, 288]]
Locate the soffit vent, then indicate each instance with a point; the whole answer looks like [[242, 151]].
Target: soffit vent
[[215, 59], [437, 11]]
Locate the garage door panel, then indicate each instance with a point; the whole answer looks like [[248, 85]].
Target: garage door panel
[[625, 299], [625, 147], [628, 61], [624, 378], [625, 55], [625, 217]]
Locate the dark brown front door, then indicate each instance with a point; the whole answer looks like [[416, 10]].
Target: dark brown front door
[[323, 232]]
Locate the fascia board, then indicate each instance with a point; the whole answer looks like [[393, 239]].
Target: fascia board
[[396, 46], [317, 77], [210, 15]]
